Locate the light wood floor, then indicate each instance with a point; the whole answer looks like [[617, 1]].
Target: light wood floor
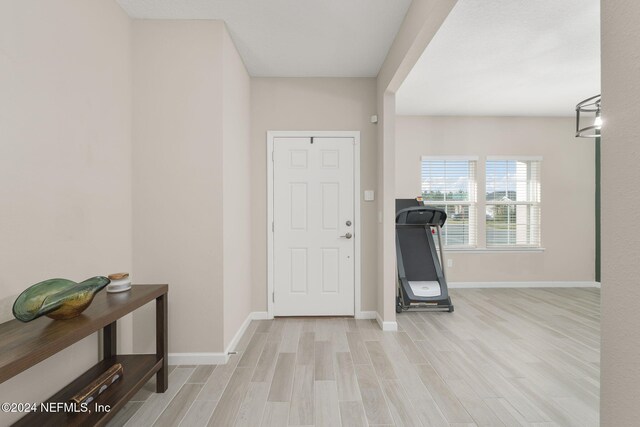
[[506, 357]]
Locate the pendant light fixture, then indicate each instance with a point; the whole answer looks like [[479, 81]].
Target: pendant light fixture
[[588, 118]]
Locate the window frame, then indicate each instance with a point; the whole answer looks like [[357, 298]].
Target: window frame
[[472, 203], [537, 204]]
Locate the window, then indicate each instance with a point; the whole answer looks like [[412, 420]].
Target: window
[[513, 202], [449, 183]]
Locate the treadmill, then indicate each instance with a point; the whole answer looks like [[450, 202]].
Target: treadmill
[[421, 280]]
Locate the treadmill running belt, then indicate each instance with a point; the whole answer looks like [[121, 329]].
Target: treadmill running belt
[[415, 245], [426, 289]]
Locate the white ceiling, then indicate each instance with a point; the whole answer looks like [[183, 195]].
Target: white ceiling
[[508, 57], [295, 38]]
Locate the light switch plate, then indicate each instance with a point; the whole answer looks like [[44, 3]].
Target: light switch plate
[[369, 196]]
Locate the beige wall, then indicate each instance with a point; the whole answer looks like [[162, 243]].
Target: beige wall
[[422, 21], [191, 181], [177, 179], [568, 189], [620, 232], [312, 104], [237, 203], [65, 161]]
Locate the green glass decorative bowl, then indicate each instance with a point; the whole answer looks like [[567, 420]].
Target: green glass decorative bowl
[[57, 298]]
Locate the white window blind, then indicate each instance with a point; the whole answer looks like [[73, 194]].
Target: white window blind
[[449, 183], [513, 202]]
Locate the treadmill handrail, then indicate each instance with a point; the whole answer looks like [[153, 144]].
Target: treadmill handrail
[[432, 217]]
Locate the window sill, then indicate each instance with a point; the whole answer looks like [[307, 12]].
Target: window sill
[[493, 250]]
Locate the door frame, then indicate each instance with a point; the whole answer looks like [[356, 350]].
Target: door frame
[[271, 135]]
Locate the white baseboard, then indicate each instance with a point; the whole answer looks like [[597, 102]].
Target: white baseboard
[[479, 285], [386, 326], [239, 333], [366, 315], [216, 358]]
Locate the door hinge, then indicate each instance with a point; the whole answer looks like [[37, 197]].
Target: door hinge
[[272, 227], [273, 297]]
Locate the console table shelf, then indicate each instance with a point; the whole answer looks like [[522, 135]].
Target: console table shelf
[[23, 345]]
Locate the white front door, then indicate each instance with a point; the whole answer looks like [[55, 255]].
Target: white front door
[[313, 211]]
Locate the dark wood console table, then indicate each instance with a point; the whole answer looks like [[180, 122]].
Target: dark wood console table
[[22, 345]]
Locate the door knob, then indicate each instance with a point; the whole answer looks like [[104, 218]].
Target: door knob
[[348, 235]]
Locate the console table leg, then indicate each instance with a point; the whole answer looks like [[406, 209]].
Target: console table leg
[[162, 377], [110, 340]]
